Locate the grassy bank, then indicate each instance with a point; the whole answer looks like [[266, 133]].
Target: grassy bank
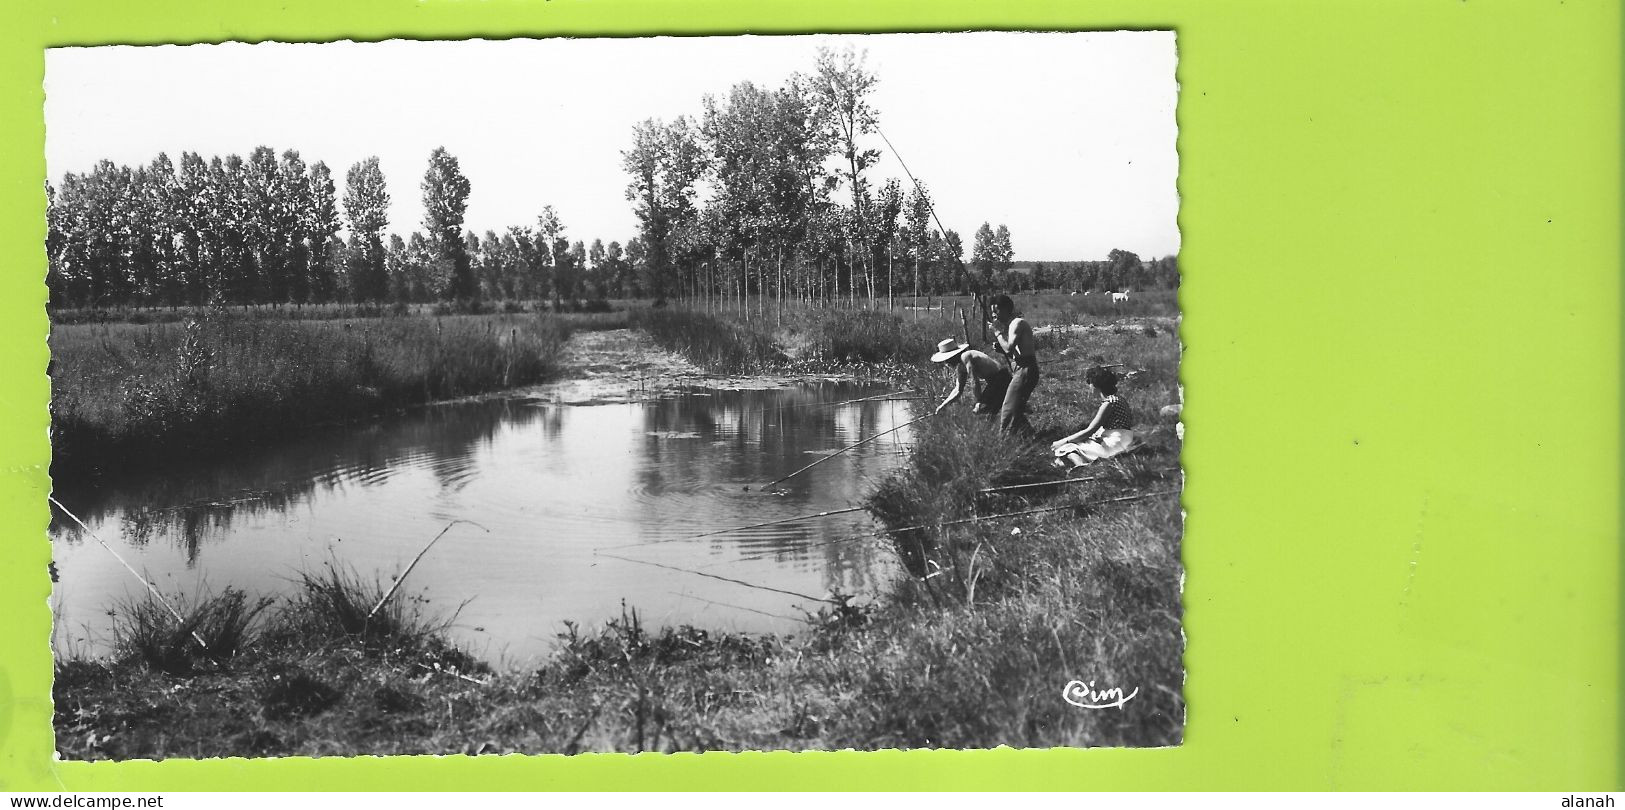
[[126, 394], [971, 651], [843, 339], [807, 340]]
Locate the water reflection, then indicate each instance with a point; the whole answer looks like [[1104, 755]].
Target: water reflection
[[553, 483]]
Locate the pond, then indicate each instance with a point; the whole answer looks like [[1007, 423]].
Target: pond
[[555, 488]]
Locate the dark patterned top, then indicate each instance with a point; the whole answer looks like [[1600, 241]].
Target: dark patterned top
[[1118, 416]]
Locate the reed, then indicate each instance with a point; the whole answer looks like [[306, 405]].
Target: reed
[[126, 395]]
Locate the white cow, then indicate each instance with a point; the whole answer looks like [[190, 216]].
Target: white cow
[[1119, 297]]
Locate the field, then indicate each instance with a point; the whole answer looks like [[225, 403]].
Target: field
[[973, 649]]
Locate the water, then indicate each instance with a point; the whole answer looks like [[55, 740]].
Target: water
[[558, 487]]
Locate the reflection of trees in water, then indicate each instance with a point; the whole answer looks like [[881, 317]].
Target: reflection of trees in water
[[759, 435], [190, 506]]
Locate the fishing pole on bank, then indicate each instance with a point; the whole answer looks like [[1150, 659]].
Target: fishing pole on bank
[[843, 450], [150, 587], [402, 578]]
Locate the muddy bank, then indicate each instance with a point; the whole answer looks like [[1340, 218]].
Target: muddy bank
[[626, 365]]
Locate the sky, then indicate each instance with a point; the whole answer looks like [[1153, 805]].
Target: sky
[[1066, 138]]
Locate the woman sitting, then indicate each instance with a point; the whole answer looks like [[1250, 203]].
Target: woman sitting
[[1108, 434]]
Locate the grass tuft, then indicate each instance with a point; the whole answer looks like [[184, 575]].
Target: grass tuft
[[145, 631]]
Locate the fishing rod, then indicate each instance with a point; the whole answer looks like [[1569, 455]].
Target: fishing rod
[[873, 398], [402, 578], [981, 296], [843, 450], [150, 587], [1061, 482]]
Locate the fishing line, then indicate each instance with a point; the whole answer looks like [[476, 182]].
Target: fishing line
[[737, 607], [734, 529], [716, 577], [850, 538], [880, 397], [844, 449]]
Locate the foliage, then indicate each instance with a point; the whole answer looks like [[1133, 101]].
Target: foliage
[[366, 204], [445, 200]]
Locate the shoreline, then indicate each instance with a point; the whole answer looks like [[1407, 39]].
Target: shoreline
[[974, 654]]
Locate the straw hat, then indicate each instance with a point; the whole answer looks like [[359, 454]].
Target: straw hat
[[948, 350]]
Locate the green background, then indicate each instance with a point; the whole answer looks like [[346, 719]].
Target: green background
[[1402, 317]]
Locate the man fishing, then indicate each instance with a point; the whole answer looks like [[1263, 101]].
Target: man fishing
[[1015, 339], [990, 377]]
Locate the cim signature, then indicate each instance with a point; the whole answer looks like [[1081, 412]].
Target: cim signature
[[1084, 696]]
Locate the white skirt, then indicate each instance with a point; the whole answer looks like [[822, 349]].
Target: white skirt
[[1104, 444]]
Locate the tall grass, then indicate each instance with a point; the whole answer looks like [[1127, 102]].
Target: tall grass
[[337, 604], [145, 631], [124, 393], [714, 343]]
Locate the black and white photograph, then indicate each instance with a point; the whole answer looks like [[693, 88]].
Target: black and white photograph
[[665, 394]]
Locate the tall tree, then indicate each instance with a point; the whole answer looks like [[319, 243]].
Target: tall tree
[[918, 228], [1003, 253], [883, 229], [952, 250], [1122, 266], [984, 254], [366, 205], [294, 206], [666, 162], [552, 250], [192, 224], [268, 224], [841, 84], [321, 223], [489, 264], [445, 201], [619, 279]]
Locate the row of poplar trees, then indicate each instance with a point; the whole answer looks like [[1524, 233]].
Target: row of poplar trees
[[267, 230], [767, 195], [789, 212]]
